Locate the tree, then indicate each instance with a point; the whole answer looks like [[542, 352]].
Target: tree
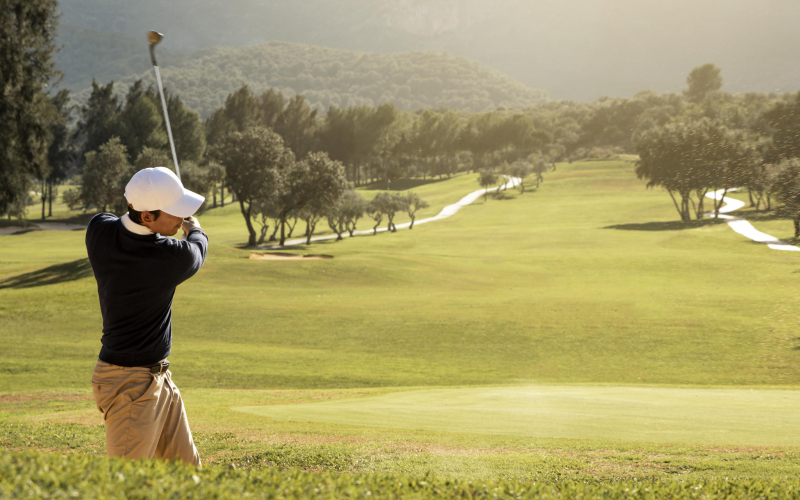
[[375, 211], [521, 169], [388, 204], [104, 175], [97, 116], [253, 162], [188, 131], [693, 156], [317, 181], [486, 178], [139, 124], [297, 124], [414, 203], [703, 81], [61, 151], [788, 192], [784, 121], [27, 46], [344, 215]]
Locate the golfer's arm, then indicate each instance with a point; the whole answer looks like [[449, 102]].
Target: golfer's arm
[[193, 253]]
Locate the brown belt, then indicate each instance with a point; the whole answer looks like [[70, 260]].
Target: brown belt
[[159, 368]]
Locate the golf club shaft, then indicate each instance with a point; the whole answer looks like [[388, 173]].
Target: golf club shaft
[[166, 119]]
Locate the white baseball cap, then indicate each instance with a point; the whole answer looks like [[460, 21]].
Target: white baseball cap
[[160, 189]]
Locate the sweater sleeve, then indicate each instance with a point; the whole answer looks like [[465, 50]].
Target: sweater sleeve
[[191, 254]]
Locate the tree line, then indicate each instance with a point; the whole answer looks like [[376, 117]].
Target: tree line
[[718, 143], [690, 143]]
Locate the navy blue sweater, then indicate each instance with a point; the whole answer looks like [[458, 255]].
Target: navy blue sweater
[[136, 279]]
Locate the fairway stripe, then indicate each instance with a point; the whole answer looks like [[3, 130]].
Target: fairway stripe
[[744, 227]]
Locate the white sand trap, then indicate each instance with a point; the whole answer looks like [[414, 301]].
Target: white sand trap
[[287, 256], [743, 227], [41, 226], [448, 211]]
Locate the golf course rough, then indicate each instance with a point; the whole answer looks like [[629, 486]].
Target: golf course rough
[[41, 475]]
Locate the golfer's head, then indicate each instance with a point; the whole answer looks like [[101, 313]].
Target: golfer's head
[[158, 200]]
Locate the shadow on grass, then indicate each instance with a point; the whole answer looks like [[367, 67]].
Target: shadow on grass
[[761, 215], [400, 184], [672, 225], [59, 273]]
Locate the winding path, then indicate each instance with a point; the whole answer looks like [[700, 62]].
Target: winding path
[[448, 211], [743, 227]]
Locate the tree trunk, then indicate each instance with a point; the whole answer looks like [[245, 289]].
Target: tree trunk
[[750, 195], [412, 222], [309, 231], [718, 203], [701, 195], [222, 195], [44, 198], [49, 199], [273, 236], [215, 196], [797, 226], [251, 241], [291, 227], [283, 230]]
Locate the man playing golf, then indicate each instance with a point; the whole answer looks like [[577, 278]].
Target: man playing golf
[[137, 269]]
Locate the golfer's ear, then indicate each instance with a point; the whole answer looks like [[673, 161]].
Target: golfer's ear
[[147, 217]]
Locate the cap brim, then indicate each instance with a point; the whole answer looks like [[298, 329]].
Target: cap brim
[[186, 206]]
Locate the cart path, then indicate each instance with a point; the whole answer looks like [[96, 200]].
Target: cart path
[[448, 211], [743, 227]]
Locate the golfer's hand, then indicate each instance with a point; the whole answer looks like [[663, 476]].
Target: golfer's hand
[[189, 224]]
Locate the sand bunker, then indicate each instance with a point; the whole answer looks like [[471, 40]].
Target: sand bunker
[[41, 226], [287, 256]]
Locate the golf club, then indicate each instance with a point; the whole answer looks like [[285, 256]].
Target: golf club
[[153, 38]]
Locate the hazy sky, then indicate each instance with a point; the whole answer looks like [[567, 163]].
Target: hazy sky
[[577, 49]]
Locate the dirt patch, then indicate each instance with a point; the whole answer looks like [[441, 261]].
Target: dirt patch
[[287, 256], [59, 397]]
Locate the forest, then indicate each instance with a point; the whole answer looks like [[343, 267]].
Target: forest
[[325, 77]]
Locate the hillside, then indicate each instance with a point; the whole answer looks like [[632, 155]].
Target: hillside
[[343, 78], [575, 49], [85, 54]]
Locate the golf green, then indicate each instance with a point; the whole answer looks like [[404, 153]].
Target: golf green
[[665, 415]]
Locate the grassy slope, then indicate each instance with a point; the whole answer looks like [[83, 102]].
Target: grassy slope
[[537, 287], [540, 287]]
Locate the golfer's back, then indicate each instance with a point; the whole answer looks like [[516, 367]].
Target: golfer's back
[[136, 278]]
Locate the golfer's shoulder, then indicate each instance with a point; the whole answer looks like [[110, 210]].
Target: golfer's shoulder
[[102, 219], [100, 223]]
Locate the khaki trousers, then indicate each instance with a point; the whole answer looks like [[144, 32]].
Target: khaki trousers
[[144, 414]]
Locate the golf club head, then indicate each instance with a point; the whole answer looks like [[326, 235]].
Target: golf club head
[[153, 37]]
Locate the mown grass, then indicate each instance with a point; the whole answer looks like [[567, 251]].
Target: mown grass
[[588, 280], [555, 286]]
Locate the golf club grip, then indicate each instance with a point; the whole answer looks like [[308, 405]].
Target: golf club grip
[[166, 120]]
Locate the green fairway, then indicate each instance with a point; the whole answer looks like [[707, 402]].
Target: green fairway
[[528, 335], [700, 416], [588, 279]]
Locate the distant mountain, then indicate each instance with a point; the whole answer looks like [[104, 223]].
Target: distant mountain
[[576, 49], [85, 54], [410, 80]]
